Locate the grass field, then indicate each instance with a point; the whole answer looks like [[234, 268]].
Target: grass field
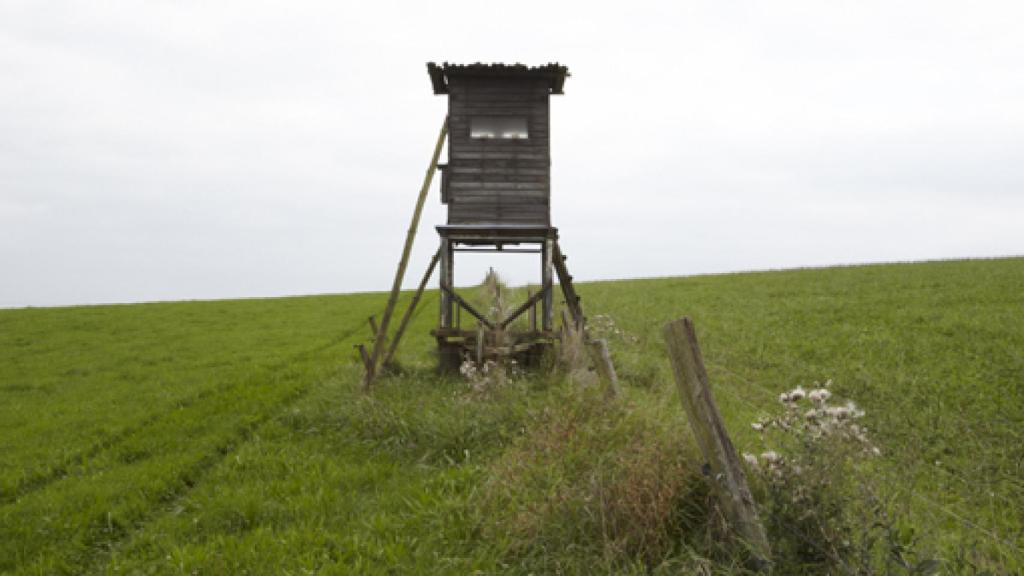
[[231, 436]]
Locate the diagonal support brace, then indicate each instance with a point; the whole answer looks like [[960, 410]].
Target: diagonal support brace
[[524, 307], [467, 306]]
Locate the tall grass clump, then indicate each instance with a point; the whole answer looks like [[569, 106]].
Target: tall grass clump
[[592, 481], [436, 418]]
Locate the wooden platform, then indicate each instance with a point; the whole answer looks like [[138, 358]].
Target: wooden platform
[[455, 345], [496, 234]]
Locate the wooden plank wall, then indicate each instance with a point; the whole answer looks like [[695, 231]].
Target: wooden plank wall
[[495, 181]]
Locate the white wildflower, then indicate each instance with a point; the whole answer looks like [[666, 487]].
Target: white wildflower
[[750, 459], [468, 369], [771, 457], [819, 396], [794, 395], [838, 412]]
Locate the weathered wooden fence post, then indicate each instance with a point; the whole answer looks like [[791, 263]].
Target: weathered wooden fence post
[[603, 364], [727, 476]]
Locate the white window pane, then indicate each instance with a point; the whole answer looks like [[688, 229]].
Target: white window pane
[[498, 127]]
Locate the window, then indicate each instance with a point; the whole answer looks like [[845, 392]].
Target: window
[[498, 127]]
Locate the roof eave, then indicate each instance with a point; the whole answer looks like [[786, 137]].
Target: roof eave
[[555, 74]]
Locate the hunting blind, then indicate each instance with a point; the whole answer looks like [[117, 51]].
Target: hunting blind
[[496, 185]]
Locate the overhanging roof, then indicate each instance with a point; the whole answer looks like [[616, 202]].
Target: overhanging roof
[[555, 74]]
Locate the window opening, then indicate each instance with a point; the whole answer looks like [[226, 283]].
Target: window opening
[[498, 128]]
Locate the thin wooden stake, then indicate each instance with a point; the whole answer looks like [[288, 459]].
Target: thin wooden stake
[[364, 355], [480, 337], [393, 347], [533, 313], [705, 420], [410, 236]]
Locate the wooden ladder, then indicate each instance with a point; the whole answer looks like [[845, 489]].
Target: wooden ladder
[[572, 300]]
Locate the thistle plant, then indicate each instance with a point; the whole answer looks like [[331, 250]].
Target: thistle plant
[[809, 419], [809, 471]]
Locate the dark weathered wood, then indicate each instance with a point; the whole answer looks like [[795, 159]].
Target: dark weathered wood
[[547, 309], [533, 315], [447, 278], [499, 251], [461, 334], [495, 180], [572, 300], [393, 346], [467, 306], [463, 167], [481, 336], [364, 355], [497, 191], [605, 369], [709, 429], [510, 191], [410, 236], [501, 155], [372, 321], [530, 303]]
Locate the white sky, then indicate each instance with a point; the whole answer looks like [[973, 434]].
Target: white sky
[[178, 150]]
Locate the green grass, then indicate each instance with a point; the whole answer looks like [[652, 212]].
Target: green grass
[[232, 437]]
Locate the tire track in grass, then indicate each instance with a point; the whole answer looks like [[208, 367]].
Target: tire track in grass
[[100, 560], [102, 556], [35, 543], [67, 466]]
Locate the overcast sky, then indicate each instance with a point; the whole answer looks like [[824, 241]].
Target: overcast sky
[[180, 150]]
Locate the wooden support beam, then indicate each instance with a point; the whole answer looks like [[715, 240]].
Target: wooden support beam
[[373, 325], [393, 346], [524, 307], [547, 309], [447, 277], [481, 335], [503, 250], [467, 306], [410, 236], [727, 475], [533, 316], [364, 355], [572, 300]]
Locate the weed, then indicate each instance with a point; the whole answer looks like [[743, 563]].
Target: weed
[[592, 478]]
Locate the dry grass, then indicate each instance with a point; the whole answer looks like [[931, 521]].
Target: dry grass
[[594, 476]]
